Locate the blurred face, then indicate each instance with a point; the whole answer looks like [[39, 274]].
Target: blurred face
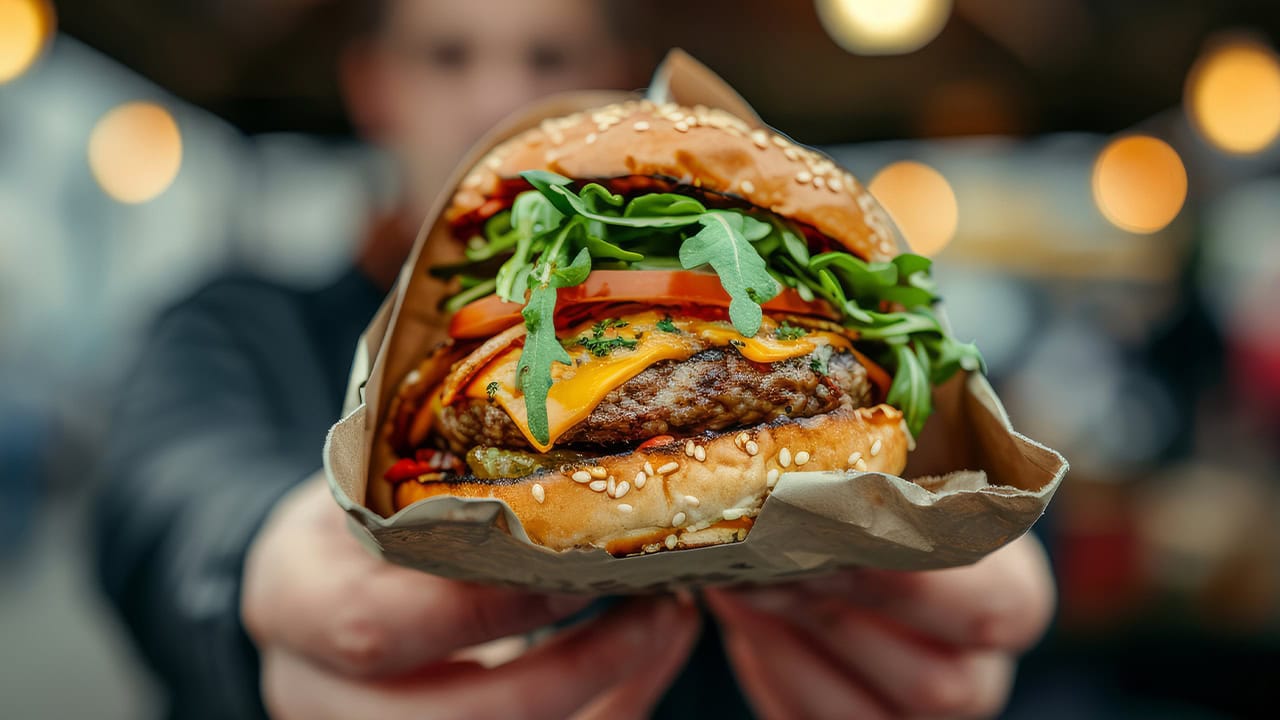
[[442, 72]]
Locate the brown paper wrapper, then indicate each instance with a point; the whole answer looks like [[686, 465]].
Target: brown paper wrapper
[[975, 485]]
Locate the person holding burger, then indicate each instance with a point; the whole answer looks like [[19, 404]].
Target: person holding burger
[[243, 587]]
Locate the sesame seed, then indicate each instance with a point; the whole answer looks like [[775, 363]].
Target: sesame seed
[[802, 457], [819, 182], [747, 186], [875, 447], [598, 472], [581, 476], [741, 439], [681, 126], [771, 477], [539, 493], [804, 177], [648, 469], [700, 453], [472, 180], [854, 457], [692, 501], [640, 480], [598, 485], [784, 457], [678, 519], [623, 488], [591, 138], [752, 448], [733, 513], [760, 138], [835, 184], [669, 468], [781, 141], [611, 485], [602, 126], [623, 507], [670, 542], [493, 162], [861, 465], [641, 126], [791, 154], [688, 448]]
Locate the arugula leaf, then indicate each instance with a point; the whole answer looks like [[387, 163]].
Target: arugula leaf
[[598, 199], [541, 351], [663, 204], [910, 390], [579, 206], [601, 248], [796, 247], [499, 236], [575, 272], [475, 292], [543, 181], [721, 244], [541, 347]]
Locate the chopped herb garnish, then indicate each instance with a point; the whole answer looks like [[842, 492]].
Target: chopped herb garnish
[[667, 326], [787, 331], [599, 345], [818, 361], [491, 389]]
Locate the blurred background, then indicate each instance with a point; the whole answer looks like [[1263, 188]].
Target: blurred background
[[1099, 182]]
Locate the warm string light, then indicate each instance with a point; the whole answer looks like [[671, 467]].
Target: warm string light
[[135, 151], [1139, 183], [25, 29], [883, 27], [1233, 97], [921, 203]]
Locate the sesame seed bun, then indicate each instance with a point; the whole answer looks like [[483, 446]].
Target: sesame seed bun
[[689, 493], [699, 147]]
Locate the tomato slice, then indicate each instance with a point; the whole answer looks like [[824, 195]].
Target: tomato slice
[[490, 315]]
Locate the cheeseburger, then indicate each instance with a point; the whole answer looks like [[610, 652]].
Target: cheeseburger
[[662, 311]]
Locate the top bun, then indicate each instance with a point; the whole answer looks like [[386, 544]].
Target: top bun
[[700, 147]]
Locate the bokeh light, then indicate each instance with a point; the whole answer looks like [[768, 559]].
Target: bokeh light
[[921, 203], [1139, 183], [883, 27], [25, 28], [135, 151], [1233, 97]]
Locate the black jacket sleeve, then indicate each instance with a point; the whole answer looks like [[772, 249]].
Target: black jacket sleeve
[[225, 411]]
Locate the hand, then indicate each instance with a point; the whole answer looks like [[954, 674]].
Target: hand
[[344, 634], [879, 644]]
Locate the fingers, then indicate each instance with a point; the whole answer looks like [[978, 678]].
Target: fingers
[[1004, 601], [782, 674], [919, 679], [310, 587], [637, 697], [552, 681]]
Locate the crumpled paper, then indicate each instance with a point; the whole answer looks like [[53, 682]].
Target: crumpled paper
[[974, 483]]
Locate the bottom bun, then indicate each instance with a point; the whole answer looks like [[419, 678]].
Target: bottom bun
[[689, 493]]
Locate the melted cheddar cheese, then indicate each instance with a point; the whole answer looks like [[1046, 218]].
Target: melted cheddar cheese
[[577, 389]]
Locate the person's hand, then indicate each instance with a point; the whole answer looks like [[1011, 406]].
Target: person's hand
[[344, 634], [875, 644]]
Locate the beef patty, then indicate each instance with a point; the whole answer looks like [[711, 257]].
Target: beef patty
[[716, 389]]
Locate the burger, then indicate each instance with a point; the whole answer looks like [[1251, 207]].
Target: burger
[[662, 311]]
